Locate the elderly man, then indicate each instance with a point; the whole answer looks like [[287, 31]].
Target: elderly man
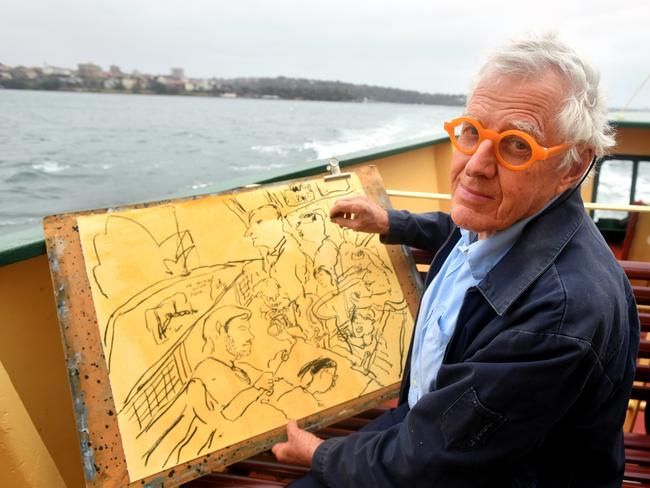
[[523, 354]]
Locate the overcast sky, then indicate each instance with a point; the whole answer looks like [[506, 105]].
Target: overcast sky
[[429, 46]]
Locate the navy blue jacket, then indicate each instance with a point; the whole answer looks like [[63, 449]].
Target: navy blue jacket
[[534, 385]]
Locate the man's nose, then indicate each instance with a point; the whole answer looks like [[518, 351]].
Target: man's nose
[[483, 162], [248, 232]]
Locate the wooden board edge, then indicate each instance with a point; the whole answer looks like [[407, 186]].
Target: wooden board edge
[[104, 461]]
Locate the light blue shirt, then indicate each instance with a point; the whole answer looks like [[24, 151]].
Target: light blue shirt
[[467, 264]]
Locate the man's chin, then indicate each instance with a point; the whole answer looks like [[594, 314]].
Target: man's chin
[[242, 353], [470, 219]]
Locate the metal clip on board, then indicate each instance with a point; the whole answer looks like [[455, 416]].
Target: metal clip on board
[[335, 171]]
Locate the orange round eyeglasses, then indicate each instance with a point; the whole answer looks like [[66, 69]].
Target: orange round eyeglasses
[[514, 149]]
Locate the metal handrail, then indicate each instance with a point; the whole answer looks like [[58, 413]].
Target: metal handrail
[[588, 205]]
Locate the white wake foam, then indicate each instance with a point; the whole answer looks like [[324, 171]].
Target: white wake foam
[[50, 167]]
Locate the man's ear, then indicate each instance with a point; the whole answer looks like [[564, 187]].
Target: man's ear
[[576, 171]]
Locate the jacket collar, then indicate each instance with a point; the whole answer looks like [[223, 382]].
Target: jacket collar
[[539, 245]]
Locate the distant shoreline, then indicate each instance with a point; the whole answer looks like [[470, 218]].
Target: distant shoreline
[[90, 78], [210, 95]]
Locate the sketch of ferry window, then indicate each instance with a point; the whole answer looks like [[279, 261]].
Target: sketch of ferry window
[[214, 339]]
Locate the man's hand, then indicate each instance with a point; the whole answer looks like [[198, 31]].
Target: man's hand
[[299, 448], [360, 214], [265, 382]]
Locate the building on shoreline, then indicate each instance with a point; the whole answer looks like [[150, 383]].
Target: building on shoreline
[[91, 77]]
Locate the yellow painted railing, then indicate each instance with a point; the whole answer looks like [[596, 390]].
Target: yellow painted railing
[[588, 205]]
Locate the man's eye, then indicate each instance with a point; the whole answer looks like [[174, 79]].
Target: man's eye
[[469, 130]]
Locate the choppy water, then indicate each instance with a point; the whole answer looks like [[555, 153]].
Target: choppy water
[[71, 151]]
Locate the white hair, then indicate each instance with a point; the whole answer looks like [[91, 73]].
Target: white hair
[[583, 117]]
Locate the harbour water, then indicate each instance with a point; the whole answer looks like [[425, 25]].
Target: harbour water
[[70, 151], [63, 152]]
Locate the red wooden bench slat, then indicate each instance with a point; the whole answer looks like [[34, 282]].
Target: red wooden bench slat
[[642, 294], [637, 456], [634, 472], [644, 348], [637, 441], [636, 270], [642, 372], [420, 256], [266, 464], [227, 479], [644, 318]]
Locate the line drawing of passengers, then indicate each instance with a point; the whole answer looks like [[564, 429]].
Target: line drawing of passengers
[[266, 230], [308, 229], [324, 279], [316, 378], [375, 284], [363, 334], [220, 390], [280, 311]]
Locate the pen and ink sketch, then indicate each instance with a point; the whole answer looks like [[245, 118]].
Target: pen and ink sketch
[[223, 316]]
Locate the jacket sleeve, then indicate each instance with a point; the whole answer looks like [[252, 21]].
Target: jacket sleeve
[[423, 231], [494, 406]]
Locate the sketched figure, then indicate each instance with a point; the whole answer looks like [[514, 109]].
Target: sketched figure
[[266, 230], [368, 341], [325, 280], [298, 194], [309, 231], [361, 339], [316, 377], [280, 312], [219, 391]]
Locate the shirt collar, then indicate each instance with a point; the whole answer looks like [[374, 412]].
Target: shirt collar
[[529, 257]]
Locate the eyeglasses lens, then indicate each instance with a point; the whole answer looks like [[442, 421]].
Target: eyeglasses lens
[[466, 135], [515, 150]]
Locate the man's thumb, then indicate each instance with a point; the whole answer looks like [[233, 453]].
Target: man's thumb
[[292, 428]]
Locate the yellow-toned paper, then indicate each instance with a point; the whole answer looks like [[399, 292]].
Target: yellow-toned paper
[[222, 317]]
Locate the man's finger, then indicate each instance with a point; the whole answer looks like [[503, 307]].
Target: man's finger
[[292, 428], [346, 205], [340, 221], [278, 449]]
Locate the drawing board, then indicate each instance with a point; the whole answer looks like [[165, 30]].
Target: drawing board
[[195, 328]]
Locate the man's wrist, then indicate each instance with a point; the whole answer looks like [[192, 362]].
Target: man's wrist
[[312, 449], [384, 226]]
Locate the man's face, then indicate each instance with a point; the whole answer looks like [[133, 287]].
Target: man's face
[[324, 380], [363, 323], [487, 197], [308, 227], [239, 338], [323, 278], [265, 228]]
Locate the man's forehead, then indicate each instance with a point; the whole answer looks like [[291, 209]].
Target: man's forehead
[[515, 102], [239, 321], [528, 125]]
